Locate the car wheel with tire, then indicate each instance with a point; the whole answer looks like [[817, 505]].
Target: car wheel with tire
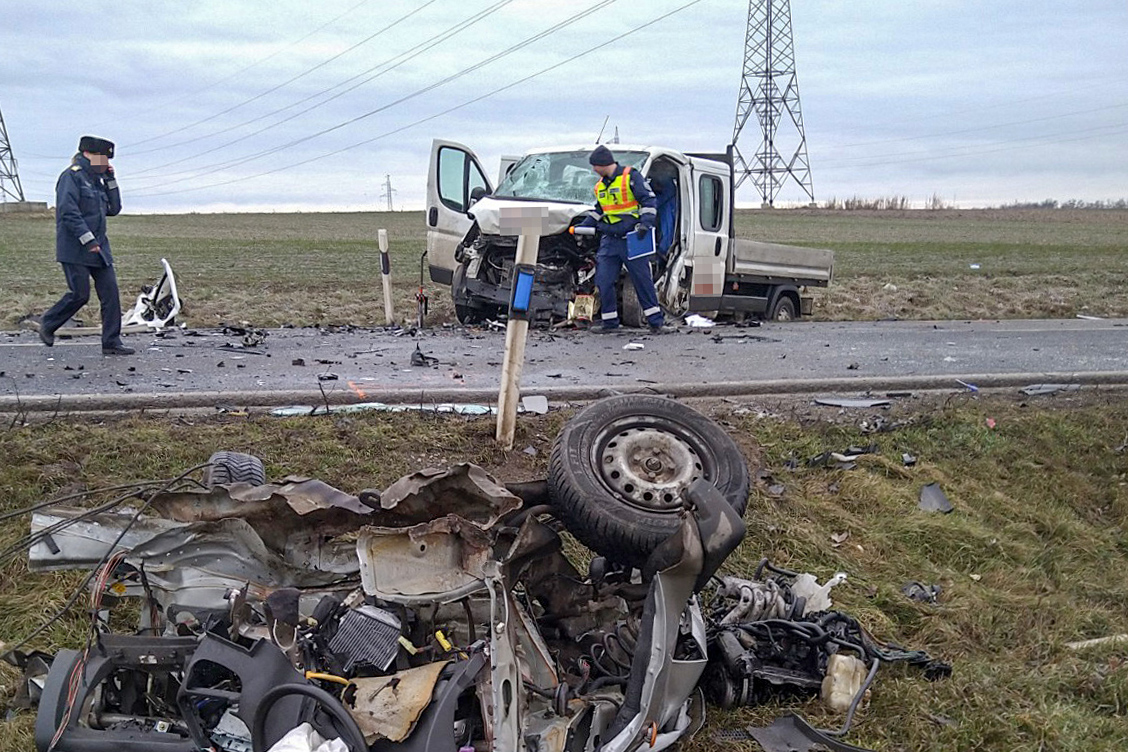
[[620, 469], [234, 467]]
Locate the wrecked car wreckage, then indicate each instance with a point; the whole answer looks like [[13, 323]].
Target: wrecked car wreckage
[[441, 613]]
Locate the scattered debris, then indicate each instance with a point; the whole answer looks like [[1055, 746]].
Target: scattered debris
[[327, 377], [1090, 318], [933, 499], [990, 423], [697, 321], [853, 367], [908, 460], [1098, 642], [359, 407], [1038, 390], [418, 358], [530, 450], [634, 346], [297, 362], [837, 539], [969, 387], [976, 577], [918, 591], [973, 266], [535, 403], [851, 403]]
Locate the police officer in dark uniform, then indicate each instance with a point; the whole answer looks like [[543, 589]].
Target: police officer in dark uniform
[[86, 193], [624, 204]]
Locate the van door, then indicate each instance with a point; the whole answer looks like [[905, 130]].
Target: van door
[[453, 174], [712, 191]]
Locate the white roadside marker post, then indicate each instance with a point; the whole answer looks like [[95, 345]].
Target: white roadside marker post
[[528, 223], [386, 274]]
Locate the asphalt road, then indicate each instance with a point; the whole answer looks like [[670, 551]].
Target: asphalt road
[[200, 368]]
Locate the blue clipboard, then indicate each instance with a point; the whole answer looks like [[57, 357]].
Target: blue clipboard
[[638, 247]]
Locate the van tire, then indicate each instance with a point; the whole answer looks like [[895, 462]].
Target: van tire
[[596, 478], [630, 313], [234, 467], [784, 309]]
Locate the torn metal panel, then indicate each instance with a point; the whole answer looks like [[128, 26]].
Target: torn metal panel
[[793, 734], [464, 490], [83, 543], [388, 707], [437, 561], [198, 564]]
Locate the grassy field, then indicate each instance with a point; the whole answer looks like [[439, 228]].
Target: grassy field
[[303, 269], [1033, 556]]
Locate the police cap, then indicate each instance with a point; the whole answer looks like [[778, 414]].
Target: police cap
[[96, 145]]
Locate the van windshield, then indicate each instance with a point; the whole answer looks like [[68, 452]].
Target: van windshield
[[562, 176]]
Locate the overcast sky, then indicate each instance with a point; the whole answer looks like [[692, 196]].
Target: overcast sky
[[242, 106]]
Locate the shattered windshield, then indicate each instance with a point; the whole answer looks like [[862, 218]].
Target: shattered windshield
[[559, 176]]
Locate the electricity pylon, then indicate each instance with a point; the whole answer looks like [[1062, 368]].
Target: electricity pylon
[[9, 174], [770, 89]]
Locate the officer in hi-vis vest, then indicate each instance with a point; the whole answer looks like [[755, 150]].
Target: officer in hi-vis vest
[[624, 206]]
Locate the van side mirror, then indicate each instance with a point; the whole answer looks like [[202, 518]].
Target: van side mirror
[[477, 194]]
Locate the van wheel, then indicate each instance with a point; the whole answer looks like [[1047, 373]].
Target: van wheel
[[630, 312], [784, 309], [619, 471], [234, 467], [463, 311]]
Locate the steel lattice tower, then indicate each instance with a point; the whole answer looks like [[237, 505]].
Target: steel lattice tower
[[770, 89], [9, 175]]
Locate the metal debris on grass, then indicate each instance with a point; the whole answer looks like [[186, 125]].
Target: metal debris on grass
[[846, 402], [1039, 390], [933, 499]]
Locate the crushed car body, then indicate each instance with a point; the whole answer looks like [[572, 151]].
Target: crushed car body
[[445, 612]]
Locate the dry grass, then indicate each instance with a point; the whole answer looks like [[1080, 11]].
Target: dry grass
[[1031, 263], [1041, 507], [307, 269]]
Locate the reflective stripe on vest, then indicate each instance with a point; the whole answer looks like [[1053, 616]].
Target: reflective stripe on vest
[[617, 200]]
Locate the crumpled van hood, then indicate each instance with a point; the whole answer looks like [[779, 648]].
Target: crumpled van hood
[[487, 212]]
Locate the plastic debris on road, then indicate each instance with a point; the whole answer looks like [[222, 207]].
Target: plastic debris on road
[[698, 321], [634, 346]]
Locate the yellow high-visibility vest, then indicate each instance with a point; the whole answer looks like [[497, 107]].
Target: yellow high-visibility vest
[[616, 199]]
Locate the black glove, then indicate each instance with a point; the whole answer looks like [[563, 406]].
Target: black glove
[[641, 231]]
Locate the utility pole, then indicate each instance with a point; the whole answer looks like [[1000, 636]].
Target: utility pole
[[388, 191], [770, 89], [10, 186]]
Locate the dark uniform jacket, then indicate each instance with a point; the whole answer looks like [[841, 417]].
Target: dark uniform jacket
[[83, 200]]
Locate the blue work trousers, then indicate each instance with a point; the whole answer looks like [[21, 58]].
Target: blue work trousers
[[78, 284], [610, 259]]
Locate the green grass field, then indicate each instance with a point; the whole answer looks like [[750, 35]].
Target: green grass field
[[304, 269], [1033, 556]]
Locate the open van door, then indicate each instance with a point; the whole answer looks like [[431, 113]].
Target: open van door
[[453, 175]]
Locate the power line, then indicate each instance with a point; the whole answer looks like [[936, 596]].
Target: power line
[[447, 111], [1008, 145], [465, 71], [982, 127], [241, 71], [399, 60], [272, 89]]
